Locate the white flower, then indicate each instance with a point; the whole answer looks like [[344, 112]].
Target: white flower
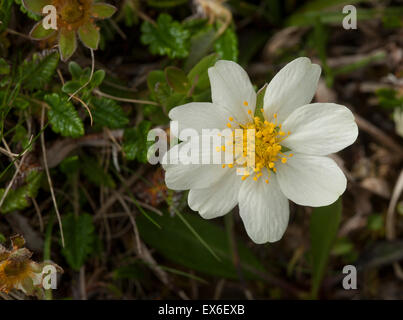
[[291, 147]]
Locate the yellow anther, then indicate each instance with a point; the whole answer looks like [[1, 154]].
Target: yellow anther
[[275, 115], [229, 125], [284, 160], [281, 133], [231, 119], [223, 148], [249, 111], [255, 178], [267, 180], [243, 178], [274, 169], [290, 155], [271, 165], [245, 103], [230, 165], [223, 165], [218, 149]]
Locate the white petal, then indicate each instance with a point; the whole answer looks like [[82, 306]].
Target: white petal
[[264, 209], [184, 177], [217, 200], [320, 129], [230, 88], [292, 87], [199, 115], [311, 180], [180, 176]]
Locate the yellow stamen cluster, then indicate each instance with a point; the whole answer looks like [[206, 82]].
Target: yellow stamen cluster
[[266, 147]]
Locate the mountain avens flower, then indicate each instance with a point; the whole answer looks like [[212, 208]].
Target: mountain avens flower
[[292, 139], [73, 16]]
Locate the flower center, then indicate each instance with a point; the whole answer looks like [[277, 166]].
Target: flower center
[[265, 144], [72, 13]]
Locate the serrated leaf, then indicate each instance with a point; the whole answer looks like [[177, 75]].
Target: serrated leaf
[[63, 117], [135, 144], [168, 37], [108, 113], [227, 45], [175, 242], [79, 238], [37, 72], [324, 225]]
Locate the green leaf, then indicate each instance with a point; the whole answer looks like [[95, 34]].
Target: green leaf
[[96, 174], [75, 70], [36, 73], [162, 92], [167, 37], [35, 6], [177, 79], [18, 199], [30, 14], [97, 78], [67, 44], [175, 242], [63, 116], [38, 32], [323, 228], [154, 79], [79, 239], [71, 86], [201, 44], [227, 45], [108, 113], [89, 35], [135, 144], [198, 76], [102, 10]]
